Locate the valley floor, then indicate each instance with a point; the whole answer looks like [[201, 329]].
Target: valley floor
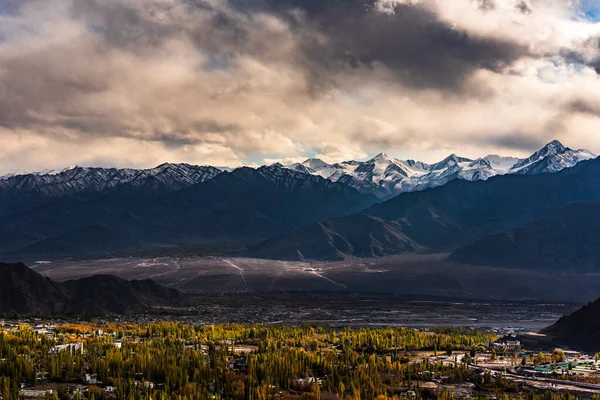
[[427, 275], [415, 291]]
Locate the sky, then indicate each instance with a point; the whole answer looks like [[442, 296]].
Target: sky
[[246, 82]]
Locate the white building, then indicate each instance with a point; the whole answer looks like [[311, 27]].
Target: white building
[[91, 379], [72, 348], [33, 393]]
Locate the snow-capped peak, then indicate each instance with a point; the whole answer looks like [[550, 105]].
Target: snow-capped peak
[[382, 157], [70, 167], [554, 146], [451, 161], [297, 167], [316, 164], [480, 163], [320, 167], [386, 176], [551, 158], [381, 175]]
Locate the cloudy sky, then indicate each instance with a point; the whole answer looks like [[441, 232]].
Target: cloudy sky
[[141, 82]]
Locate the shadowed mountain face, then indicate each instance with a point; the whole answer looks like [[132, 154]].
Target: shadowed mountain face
[[21, 192], [104, 294], [566, 239], [246, 204], [580, 330], [312, 210], [332, 239], [458, 213], [24, 291]]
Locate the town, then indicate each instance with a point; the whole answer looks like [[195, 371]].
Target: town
[[171, 360]]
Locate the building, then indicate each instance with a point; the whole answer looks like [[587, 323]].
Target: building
[[34, 393], [91, 379], [509, 342], [72, 348], [308, 380]]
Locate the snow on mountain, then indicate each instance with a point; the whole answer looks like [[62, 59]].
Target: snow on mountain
[[381, 175], [319, 167], [417, 166], [451, 161], [77, 179], [297, 167], [386, 176], [178, 176], [551, 158], [500, 163]]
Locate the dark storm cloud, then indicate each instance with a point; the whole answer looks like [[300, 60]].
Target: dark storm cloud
[[412, 41], [523, 141], [416, 46], [233, 79], [591, 46], [119, 24], [585, 107]]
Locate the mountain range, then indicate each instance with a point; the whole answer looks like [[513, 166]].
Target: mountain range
[[312, 210], [245, 204], [477, 222], [382, 175], [386, 177]]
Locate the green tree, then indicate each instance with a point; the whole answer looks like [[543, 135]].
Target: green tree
[[449, 350], [493, 356], [558, 356]]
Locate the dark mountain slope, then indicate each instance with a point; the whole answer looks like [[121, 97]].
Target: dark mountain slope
[[334, 239], [579, 330], [24, 291], [246, 204], [454, 215], [281, 197], [22, 192], [566, 239], [91, 240], [460, 211], [105, 294]]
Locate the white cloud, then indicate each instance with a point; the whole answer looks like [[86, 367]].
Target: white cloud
[[143, 82]]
